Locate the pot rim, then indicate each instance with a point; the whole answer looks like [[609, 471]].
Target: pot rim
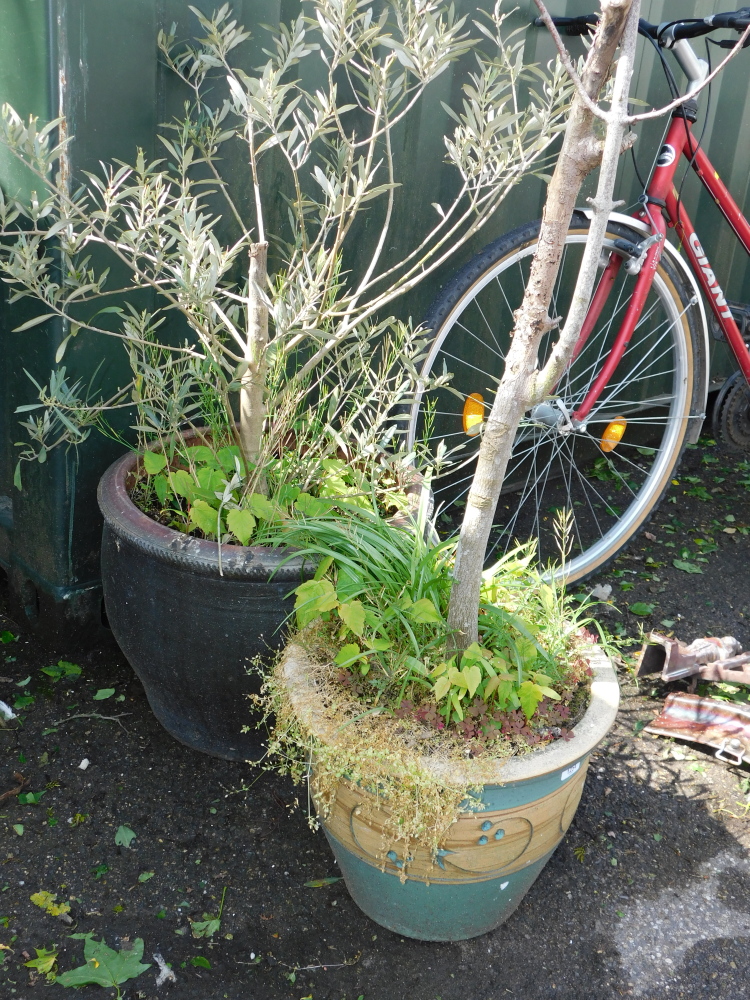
[[129, 523], [589, 732]]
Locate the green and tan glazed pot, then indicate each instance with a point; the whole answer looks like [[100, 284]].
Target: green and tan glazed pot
[[490, 857]]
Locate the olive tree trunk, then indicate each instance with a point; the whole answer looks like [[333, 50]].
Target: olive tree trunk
[[252, 386], [522, 385]]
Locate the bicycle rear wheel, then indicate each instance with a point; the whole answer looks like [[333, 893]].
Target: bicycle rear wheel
[[611, 493]]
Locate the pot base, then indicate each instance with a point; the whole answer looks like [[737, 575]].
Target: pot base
[[485, 866], [433, 911]]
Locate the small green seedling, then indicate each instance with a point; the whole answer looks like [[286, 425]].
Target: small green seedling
[[31, 798], [45, 962], [209, 925], [62, 670]]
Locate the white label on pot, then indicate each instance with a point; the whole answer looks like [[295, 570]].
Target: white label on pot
[[569, 771]]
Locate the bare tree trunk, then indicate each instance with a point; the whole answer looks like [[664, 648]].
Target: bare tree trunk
[[521, 385], [252, 388]]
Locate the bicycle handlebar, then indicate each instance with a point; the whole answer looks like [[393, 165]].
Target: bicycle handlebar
[[665, 34]]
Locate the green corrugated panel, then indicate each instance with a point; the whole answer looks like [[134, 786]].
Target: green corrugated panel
[[24, 77], [97, 60]]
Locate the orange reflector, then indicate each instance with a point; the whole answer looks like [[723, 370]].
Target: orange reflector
[[473, 413], [613, 434]]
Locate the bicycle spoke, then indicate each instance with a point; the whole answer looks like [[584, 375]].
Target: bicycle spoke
[[464, 362], [480, 341], [554, 465], [499, 352]]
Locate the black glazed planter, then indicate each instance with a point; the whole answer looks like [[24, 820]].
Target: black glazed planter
[[188, 631]]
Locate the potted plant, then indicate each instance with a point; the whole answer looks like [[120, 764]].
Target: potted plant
[[426, 699], [443, 782], [256, 397]]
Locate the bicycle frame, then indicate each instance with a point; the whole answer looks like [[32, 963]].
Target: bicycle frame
[[661, 193]]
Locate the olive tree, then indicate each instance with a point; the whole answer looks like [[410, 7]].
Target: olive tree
[[265, 350]]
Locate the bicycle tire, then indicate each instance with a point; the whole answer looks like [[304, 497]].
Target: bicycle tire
[[654, 387]]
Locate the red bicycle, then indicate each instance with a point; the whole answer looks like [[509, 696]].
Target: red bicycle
[[608, 443]]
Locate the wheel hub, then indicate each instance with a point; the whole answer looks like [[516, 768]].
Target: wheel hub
[[554, 414]]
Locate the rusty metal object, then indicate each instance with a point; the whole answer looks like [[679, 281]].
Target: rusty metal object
[[676, 660], [719, 724]]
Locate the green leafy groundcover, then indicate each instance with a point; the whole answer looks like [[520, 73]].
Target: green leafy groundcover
[[105, 967], [203, 493], [380, 595]]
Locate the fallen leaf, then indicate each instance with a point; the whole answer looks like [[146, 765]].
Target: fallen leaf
[[641, 608], [103, 693], [685, 566], [104, 966], [47, 901], [44, 962], [318, 883], [651, 537], [124, 836]]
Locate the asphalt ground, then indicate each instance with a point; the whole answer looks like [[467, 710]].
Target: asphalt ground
[[647, 896]]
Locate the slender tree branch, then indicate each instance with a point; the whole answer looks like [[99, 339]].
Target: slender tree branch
[[646, 115], [568, 62], [602, 205], [692, 93]]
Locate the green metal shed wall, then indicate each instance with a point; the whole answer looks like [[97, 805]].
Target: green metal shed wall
[[96, 62]]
